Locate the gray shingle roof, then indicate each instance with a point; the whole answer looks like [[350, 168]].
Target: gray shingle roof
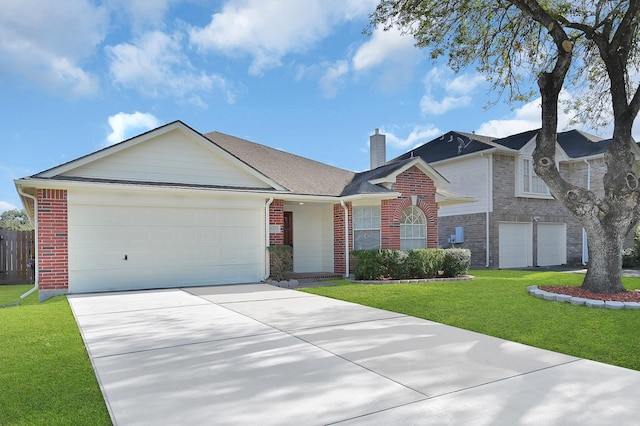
[[360, 183], [453, 144], [297, 174], [449, 145]]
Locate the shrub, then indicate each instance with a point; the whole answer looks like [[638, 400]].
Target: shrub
[[281, 262], [417, 263], [456, 262], [368, 264], [629, 257], [395, 263], [425, 263]]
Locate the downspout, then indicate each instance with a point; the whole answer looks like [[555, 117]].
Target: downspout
[[346, 238], [267, 266], [35, 226], [585, 247]]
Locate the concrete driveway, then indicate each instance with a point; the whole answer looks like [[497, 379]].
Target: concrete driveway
[[258, 354]]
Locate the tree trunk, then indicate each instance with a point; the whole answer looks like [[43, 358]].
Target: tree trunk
[[604, 273]]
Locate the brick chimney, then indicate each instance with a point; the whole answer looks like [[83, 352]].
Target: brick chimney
[[378, 149]]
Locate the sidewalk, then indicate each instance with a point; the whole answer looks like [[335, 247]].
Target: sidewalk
[[258, 354]]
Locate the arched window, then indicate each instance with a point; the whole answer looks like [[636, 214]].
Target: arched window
[[413, 229]]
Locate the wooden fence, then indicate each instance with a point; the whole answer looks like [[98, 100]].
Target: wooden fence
[[16, 257]]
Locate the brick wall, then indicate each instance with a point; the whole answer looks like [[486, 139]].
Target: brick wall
[[339, 252], [507, 207], [276, 217], [53, 248], [475, 231], [411, 182]]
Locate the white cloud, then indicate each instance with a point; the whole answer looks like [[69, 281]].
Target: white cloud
[[384, 46], [333, 77], [268, 30], [46, 42], [443, 94], [465, 83], [155, 65], [4, 206], [527, 117], [143, 13], [390, 51], [431, 106], [418, 136], [124, 125]]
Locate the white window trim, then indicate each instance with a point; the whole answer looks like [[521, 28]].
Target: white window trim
[[354, 229], [520, 192], [424, 217]]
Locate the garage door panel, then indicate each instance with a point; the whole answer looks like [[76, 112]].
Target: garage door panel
[[165, 246], [515, 245], [552, 244]]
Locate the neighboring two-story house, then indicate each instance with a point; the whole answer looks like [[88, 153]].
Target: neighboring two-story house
[[514, 222]]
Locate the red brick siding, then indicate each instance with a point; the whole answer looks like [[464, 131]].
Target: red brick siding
[[408, 183], [53, 247], [339, 254], [276, 217]]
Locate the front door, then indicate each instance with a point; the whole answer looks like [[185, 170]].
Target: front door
[[288, 229]]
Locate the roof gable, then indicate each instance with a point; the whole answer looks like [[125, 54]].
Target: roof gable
[[517, 141], [579, 144], [529, 147], [174, 154], [574, 143], [380, 179]]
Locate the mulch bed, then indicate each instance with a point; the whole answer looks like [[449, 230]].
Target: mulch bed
[[629, 296]]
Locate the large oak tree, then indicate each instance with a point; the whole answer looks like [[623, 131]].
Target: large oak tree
[[589, 46]]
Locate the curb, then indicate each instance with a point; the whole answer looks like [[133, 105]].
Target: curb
[[546, 295]]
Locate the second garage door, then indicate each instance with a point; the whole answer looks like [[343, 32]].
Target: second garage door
[[552, 244], [515, 245], [127, 243]]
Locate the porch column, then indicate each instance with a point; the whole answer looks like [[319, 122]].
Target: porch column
[[53, 243], [276, 218], [340, 237]]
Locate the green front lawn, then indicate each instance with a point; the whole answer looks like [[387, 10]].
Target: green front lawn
[[496, 303], [45, 374]]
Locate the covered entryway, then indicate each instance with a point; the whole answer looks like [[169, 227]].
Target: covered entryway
[[552, 244], [311, 236], [121, 241], [515, 245]]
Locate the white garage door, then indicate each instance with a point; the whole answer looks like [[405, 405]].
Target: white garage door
[[515, 245], [552, 244], [124, 245]]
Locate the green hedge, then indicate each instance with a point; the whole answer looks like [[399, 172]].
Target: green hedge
[[418, 263]]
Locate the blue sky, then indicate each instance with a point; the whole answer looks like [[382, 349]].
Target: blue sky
[[298, 75]]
